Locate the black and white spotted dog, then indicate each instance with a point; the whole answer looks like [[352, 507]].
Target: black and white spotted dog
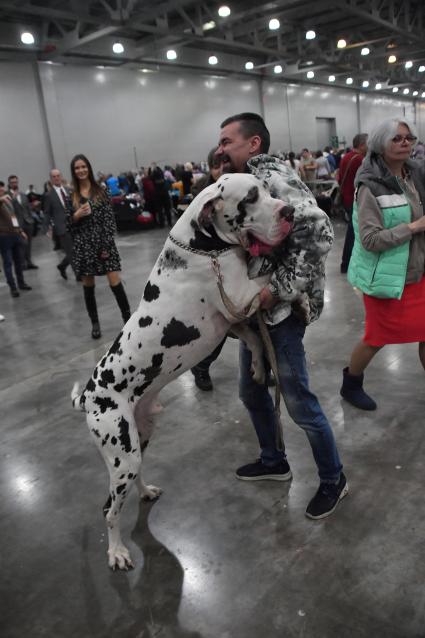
[[179, 321]]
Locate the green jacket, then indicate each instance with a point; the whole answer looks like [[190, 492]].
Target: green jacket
[[381, 274]]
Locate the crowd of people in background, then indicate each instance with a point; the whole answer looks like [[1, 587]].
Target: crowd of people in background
[[382, 194]]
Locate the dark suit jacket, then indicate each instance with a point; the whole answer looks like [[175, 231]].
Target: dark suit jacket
[[54, 212], [22, 210]]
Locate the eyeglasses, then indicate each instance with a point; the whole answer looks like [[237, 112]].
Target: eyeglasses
[[398, 139]]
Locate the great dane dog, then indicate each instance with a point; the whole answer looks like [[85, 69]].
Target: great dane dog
[[179, 321]]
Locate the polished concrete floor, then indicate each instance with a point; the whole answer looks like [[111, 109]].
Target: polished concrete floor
[[214, 557]]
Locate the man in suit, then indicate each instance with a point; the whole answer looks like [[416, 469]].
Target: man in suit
[[25, 219], [55, 202]]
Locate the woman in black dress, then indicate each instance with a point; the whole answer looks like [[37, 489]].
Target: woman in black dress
[[92, 224]]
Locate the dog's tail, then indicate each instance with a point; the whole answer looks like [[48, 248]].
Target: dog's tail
[[76, 397]]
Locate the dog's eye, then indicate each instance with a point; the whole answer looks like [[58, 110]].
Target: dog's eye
[[252, 196]]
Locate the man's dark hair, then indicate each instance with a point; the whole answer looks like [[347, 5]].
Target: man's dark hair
[[251, 124], [2, 184], [12, 177], [359, 139]]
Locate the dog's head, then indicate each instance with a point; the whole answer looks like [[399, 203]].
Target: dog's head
[[242, 211]]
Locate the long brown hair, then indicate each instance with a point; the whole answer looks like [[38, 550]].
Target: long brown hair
[[96, 191]]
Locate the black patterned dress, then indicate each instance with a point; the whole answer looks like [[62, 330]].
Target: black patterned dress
[[94, 250]]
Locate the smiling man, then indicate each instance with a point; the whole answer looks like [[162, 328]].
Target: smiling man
[[297, 265]]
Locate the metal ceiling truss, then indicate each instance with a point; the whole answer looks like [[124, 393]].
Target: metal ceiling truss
[[86, 29]]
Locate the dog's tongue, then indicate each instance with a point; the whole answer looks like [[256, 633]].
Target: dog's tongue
[[257, 248]]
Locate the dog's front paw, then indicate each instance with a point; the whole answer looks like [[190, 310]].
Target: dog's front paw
[[258, 372], [151, 492], [119, 556]]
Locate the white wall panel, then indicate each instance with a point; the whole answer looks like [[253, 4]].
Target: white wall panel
[[167, 117], [298, 114], [375, 108], [23, 148]]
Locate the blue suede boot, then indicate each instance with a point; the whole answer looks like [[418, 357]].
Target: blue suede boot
[[352, 391]]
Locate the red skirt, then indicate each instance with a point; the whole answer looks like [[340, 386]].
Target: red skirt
[[396, 320]]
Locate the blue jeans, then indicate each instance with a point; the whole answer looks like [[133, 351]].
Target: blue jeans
[[11, 252], [301, 403]]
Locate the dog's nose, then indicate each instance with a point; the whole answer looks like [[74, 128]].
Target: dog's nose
[[286, 212]]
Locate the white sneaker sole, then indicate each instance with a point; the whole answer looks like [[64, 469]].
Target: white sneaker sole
[[326, 514], [266, 477]]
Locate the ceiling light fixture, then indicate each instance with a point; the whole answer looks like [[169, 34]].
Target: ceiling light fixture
[[213, 60], [208, 26], [331, 78], [310, 35], [423, 94], [349, 81], [224, 12], [378, 86], [421, 68], [365, 84], [117, 47], [249, 66], [365, 51], [171, 54], [415, 93], [310, 75], [406, 91], [274, 24], [395, 89], [278, 69], [408, 64], [341, 44], [392, 59], [27, 38]]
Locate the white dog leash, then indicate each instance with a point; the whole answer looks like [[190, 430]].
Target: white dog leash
[[267, 342], [254, 306]]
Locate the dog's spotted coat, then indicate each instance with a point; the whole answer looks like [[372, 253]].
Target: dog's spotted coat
[[179, 321]]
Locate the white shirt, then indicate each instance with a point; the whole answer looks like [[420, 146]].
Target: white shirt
[[61, 193]]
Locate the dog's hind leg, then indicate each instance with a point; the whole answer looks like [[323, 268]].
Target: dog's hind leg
[[145, 426], [118, 443]]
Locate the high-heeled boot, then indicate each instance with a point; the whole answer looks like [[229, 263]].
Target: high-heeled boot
[[122, 301], [90, 299]]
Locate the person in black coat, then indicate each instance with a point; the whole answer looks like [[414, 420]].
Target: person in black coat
[[55, 204], [24, 216]]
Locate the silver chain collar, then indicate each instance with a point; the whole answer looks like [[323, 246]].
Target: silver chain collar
[[196, 251]]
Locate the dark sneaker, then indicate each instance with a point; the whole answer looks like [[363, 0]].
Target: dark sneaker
[[327, 498], [257, 471], [14, 292], [24, 286], [202, 379]]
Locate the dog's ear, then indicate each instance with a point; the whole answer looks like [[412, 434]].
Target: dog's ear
[[209, 209]]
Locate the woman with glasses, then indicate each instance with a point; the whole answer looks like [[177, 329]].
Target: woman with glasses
[[387, 263]]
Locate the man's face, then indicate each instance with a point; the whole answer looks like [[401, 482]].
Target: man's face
[[56, 178], [363, 148], [235, 150], [13, 184]]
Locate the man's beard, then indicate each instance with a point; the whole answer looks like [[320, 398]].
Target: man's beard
[[229, 168]]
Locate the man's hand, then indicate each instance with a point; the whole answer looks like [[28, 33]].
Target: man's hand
[[267, 300], [6, 198]]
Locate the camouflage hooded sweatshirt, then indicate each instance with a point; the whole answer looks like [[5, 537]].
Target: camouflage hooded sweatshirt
[[298, 264]]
